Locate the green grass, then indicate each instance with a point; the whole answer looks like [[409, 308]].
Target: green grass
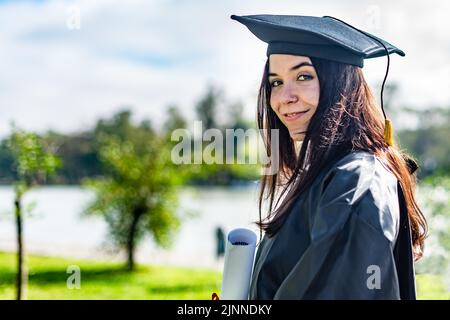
[[106, 280], [431, 287]]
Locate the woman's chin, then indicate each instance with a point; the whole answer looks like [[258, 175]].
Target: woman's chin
[[298, 136]]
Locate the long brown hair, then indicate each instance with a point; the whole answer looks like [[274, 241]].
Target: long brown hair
[[347, 118]]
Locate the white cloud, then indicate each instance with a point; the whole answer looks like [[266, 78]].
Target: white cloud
[[148, 54]]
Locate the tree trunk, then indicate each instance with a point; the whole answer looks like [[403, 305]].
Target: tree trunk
[[22, 276], [131, 240]]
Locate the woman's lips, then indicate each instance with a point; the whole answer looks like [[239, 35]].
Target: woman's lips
[[292, 116]]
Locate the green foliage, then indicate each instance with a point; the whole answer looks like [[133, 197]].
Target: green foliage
[[79, 153], [434, 196], [32, 161], [206, 108], [438, 197], [174, 121], [207, 111], [138, 193], [429, 143], [6, 163]]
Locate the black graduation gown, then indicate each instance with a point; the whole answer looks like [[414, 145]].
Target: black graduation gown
[[347, 237]]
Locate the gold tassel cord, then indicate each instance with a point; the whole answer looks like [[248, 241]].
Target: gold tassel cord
[[388, 132]]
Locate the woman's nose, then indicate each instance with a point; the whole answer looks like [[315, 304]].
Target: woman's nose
[[288, 95]]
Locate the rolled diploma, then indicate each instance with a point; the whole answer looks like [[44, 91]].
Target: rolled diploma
[[238, 264]]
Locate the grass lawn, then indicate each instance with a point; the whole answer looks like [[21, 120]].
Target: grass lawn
[[105, 280]]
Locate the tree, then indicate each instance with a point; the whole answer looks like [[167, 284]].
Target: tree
[[429, 142], [434, 198], [175, 120], [138, 193], [32, 163], [6, 163], [206, 108]]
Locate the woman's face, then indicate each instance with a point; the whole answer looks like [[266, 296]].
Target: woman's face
[[295, 92]]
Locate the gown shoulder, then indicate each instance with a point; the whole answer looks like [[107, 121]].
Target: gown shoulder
[[341, 229]]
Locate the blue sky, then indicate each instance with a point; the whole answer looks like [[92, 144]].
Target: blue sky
[[147, 55]]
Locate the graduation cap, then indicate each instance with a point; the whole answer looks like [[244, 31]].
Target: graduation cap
[[322, 37]]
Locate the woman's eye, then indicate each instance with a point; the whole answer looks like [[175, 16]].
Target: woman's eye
[[275, 83], [301, 77], [304, 77]]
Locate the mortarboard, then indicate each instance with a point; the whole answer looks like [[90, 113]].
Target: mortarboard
[[320, 37]]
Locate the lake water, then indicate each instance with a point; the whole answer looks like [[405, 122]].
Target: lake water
[[56, 227]]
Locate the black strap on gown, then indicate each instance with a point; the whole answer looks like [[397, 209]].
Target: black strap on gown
[[403, 254]]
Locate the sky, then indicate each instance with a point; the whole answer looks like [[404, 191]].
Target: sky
[[65, 64]]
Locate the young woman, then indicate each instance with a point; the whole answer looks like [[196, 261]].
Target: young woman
[[343, 221]]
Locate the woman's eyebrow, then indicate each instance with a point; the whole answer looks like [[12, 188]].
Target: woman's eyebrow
[[301, 64]]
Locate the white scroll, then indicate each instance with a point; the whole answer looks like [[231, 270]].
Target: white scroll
[[238, 264]]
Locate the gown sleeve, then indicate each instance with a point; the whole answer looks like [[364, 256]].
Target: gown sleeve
[[353, 232]]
